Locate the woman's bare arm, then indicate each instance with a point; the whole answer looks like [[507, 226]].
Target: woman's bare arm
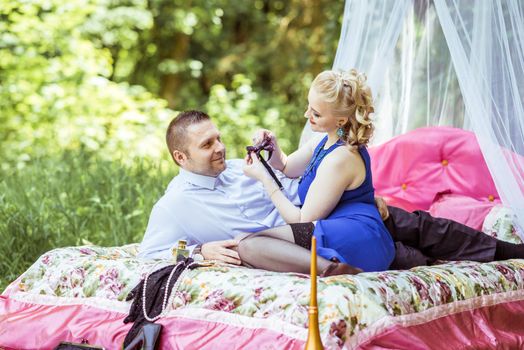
[[338, 171]]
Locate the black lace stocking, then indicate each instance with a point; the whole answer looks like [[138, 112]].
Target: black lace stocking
[[275, 250]]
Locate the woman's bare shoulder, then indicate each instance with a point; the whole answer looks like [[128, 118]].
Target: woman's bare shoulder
[[346, 163], [340, 156], [345, 153]]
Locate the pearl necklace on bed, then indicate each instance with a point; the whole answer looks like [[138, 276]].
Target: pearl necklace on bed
[[168, 298]]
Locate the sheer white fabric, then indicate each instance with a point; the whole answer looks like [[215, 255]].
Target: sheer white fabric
[[370, 30], [486, 42], [404, 54], [421, 86], [445, 62]]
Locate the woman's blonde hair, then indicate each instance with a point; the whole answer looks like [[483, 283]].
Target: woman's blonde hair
[[349, 95]]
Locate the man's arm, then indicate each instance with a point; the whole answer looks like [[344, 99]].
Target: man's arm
[[163, 232]]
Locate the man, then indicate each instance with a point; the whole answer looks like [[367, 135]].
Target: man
[[211, 201]]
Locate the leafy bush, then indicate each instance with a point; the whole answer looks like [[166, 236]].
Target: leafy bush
[[56, 93]]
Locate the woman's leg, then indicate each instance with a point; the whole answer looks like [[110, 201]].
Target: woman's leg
[[275, 250]]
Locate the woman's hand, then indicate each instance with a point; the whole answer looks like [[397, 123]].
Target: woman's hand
[[382, 207], [264, 134], [254, 167], [278, 159]]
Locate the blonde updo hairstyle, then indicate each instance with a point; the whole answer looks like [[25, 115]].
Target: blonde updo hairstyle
[[349, 96]]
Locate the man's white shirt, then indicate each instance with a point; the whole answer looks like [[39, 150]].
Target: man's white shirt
[[201, 209]]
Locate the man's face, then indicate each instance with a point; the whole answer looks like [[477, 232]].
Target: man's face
[[206, 154]]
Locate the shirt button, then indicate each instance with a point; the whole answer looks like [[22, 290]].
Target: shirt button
[[491, 198], [404, 186]]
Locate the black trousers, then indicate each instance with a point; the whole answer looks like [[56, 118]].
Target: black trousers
[[421, 239]]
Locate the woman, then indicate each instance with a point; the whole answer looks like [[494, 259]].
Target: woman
[[336, 188]]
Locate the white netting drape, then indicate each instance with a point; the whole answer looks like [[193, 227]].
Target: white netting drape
[[486, 42], [401, 47], [446, 62]]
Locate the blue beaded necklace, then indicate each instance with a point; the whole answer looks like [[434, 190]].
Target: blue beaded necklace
[[319, 154]]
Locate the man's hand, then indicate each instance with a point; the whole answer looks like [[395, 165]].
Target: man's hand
[[278, 160], [222, 250], [382, 207], [254, 168]]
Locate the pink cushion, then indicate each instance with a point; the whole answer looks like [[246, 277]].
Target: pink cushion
[[466, 210], [415, 167]]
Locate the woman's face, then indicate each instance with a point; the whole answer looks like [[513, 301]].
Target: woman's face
[[321, 114]]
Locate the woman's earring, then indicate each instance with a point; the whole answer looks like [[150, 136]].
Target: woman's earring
[[340, 132]]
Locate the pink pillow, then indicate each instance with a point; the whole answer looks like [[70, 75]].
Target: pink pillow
[[417, 166], [466, 210], [400, 203]]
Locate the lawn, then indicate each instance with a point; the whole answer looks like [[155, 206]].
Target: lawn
[[73, 199]]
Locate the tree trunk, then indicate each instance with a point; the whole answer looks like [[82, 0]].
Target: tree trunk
[[170, 83]]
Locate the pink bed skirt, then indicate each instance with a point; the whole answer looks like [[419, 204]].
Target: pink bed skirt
[[25, 325], [31, 326], [499, 326]]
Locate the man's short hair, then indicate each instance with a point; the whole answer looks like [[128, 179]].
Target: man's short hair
[[176, 135]]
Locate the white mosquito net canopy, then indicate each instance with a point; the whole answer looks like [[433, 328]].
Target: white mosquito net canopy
[[456, 63]]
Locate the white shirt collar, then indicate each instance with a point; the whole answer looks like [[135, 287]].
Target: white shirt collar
[[208, 182]]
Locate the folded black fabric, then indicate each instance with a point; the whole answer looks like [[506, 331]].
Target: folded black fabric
[[77, 346], [155, 290]]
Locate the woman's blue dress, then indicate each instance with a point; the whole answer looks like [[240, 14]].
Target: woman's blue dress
[[353, 232]]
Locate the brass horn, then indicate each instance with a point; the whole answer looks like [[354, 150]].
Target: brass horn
[[313, 337]]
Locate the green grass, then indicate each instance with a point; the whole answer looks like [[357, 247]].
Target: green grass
[[71, 200]]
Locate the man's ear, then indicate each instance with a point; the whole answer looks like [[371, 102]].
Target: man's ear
[[180, 157]]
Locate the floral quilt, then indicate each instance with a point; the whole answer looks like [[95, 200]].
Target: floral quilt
[[348, 305], [499, 224]]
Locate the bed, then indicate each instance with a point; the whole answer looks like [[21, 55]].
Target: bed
[[77, 293]]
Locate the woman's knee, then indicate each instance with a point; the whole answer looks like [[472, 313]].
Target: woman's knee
[[247, 247]]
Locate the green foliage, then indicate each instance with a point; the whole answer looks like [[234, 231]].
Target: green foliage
[[72, 200], [56, 93], [72, 72], [240, 111]]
